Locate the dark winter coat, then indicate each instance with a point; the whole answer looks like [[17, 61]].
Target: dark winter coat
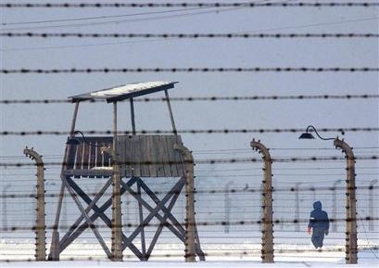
[[318, 219]]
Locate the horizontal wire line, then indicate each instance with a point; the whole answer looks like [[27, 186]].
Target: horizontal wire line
[[206, 174], [214, 98], [304, 190], [206, 161], [204, 223], [188, 131], [234, 152], [187, 4], [192, 36], [191, 70], [161, 254]]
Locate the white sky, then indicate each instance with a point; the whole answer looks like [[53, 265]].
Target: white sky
[[67, 53], [56, 53]]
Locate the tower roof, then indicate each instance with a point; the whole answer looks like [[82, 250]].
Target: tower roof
[[123, 92]]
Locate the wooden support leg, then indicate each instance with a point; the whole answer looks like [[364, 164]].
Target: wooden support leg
[[140, 212], [54, 248]]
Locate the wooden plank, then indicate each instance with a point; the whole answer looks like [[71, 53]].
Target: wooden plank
[[164, 158], [129, 159], [160, 156], [137, 156], [125, 158], [175, 156], [124, 153], [150, 156], [145, 155], [121, 153], [145, 143], [181, 166], [154, 155], [121, 156], [152, 163]]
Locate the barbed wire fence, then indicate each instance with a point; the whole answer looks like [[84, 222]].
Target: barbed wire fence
[[232, 210], [189, 4], [229, 190], [229, 225]]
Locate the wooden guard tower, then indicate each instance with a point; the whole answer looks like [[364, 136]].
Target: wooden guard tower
[[122, 161]]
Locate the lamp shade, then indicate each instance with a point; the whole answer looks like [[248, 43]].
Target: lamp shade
[[306, 135], [73, 141]]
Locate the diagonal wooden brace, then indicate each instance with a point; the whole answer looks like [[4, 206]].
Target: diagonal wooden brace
[[87, 219]]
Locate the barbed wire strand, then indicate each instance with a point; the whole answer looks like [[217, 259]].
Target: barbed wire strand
[[187, 131], [192, 70], [214, 190], [190, 36], [202, 223], [204, 161], [188, 4], [211, 98]]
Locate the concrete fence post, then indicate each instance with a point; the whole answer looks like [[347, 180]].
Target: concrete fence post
[[40, 228], [351, 212], [267, 211]]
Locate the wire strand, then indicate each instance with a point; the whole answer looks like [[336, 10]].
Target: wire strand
[[187, 131], [206, 161], [191, 36], [212, 98], [188, 4], [193, 70]]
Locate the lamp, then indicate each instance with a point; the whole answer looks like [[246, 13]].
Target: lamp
[[72, 140], [307, 135], [351, 218]]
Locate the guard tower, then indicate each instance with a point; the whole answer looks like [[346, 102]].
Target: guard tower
[[122, 161]]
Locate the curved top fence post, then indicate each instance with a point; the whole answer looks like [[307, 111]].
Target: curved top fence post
[[40, 221], [351, 218], [267, 222]]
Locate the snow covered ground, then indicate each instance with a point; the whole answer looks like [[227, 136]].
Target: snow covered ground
[[367, 258], [294, 251]]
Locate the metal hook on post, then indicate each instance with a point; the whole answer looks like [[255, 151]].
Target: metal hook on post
[[351, 217]]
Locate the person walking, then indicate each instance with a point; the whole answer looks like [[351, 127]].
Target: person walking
[[318, 225]]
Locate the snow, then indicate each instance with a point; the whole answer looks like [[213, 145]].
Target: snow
[[366, 259], [125, 89], [219, 255]]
